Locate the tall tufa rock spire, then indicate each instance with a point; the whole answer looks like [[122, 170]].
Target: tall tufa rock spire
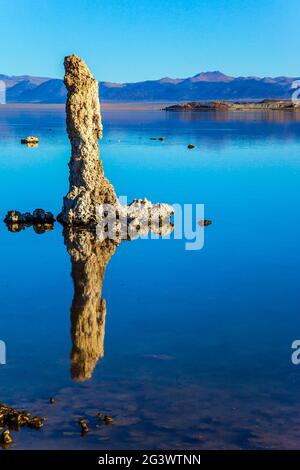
[[88, 185]]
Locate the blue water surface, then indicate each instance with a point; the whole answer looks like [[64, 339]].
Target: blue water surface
[[197, 347]]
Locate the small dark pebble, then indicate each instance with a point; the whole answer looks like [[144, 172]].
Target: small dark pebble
[[108, 420], [204, 223]]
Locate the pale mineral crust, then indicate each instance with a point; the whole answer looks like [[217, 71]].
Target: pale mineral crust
[[88, 185], [134, 220]]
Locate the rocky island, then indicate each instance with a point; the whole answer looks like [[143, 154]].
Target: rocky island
[[220, 105]]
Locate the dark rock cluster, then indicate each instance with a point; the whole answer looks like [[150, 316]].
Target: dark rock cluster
[[13, 420], [40, 219]]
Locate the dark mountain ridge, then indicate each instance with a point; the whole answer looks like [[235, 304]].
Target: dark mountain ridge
[[204, 86]]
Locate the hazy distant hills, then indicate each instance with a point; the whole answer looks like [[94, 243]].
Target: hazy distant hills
[[203, 86]]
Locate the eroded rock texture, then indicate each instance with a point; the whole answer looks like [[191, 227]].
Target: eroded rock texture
[[88, 185], [89, 259]]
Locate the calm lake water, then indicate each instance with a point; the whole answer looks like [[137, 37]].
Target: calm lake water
[[195, 349]]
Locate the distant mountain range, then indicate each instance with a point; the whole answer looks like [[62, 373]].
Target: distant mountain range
[[203, 86]]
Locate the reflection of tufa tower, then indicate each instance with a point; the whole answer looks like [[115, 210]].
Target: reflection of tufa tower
[[88, 189], [89, 259]]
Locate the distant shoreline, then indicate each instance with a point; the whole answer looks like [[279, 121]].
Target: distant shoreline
[[265, 105], [195, 106], [105, 106]]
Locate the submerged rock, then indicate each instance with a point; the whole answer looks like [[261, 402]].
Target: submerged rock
[[88, 185]]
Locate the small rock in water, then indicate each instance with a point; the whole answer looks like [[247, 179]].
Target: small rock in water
[[84, 426], [41, 216], [52, 401], [14, 421], [36, 422], [6, 438], [204, 223], [105, 418], [30, 140], [14, 217], [191, 146], [108, 420]]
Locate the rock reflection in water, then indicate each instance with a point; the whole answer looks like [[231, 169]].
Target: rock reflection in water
[[90, 252], [89, 258]]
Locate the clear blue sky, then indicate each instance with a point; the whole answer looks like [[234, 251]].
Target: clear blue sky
[[132, 40]]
